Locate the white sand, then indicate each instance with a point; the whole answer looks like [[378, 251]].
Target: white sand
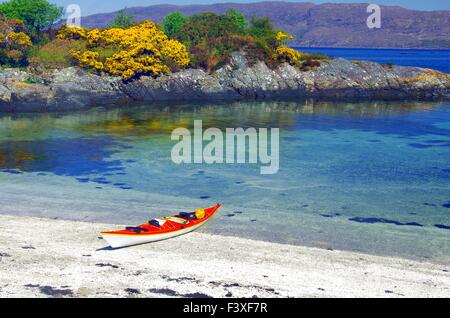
[[43, 257]]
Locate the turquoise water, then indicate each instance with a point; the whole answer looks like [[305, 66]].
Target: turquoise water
[[371, 177], [427, 58]]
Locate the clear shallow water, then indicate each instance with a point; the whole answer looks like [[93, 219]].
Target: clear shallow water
[[371, 177], [435, 59]]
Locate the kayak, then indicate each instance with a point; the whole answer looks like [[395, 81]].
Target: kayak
[[160, 229]]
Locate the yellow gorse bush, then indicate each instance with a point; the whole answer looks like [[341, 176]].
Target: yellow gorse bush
[[14, 47], [142, 49], [286, 54], [283, 36], [72, 32], [19, 38]]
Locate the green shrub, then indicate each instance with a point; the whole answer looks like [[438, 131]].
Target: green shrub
[[211, 38], [123, 20], [173, 23], [55, 54], [262, 28], [215, 52], [237, 19], [35, 14], [207, 26]]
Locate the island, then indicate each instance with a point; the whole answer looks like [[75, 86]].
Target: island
[[204, 57]]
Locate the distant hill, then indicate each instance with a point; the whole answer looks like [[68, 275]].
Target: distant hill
[[325, 25]]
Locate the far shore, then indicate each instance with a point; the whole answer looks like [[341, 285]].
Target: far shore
[[54, 258], [73, 88]]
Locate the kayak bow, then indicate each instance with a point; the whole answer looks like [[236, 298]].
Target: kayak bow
[[160, 229]]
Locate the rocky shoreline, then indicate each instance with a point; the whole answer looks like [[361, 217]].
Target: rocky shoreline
[[339, 79]]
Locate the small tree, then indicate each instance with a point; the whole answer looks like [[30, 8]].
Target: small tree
[[262, 27], [236, 19], [123, 20], [173, 23], [35, 14]]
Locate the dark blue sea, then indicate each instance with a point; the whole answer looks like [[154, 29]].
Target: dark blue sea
[[435, 59]]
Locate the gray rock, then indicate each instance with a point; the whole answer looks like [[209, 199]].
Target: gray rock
[[10, 75], [184, 85], [74, 88]]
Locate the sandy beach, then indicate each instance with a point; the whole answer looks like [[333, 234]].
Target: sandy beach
[[54, 258]]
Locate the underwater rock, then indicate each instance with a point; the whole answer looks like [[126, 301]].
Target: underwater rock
[[381, 220]]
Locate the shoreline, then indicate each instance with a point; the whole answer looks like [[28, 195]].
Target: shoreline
[[336, 79], [56, 258]]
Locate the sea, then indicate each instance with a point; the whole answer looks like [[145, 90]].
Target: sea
[[372, 177], [427, 58]]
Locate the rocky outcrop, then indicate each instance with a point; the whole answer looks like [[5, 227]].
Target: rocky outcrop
[[338, 78], [68, 89], [185, 85], [73, 88]]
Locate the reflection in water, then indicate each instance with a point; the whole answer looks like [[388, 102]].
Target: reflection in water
[[162, 119], [12, 158], [378, 168], [61, 156], [58, 143]]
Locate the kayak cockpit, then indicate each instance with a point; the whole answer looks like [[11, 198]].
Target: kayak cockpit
[[136, 230]]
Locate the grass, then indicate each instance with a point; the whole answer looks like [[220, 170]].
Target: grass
[[315, 56], [54, 54]]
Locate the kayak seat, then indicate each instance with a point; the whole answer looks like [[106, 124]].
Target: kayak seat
[[187, 215], [136, 229], [154, 223]]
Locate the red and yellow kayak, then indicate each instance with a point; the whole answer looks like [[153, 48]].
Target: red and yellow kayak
[[160, 229]]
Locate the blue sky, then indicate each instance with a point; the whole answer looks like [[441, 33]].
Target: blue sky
[[98, 6]]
